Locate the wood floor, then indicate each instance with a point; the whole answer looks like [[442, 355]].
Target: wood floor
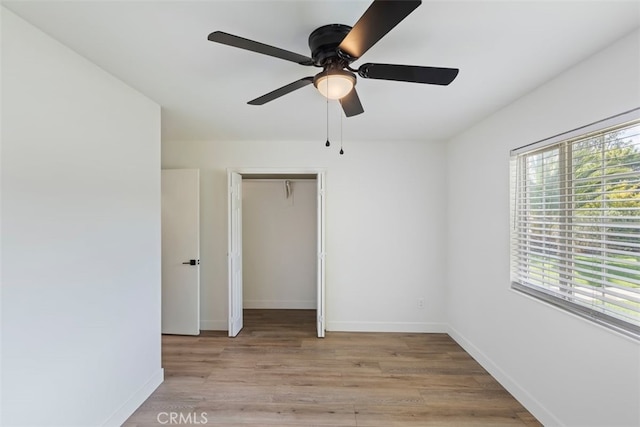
[[277, 373]]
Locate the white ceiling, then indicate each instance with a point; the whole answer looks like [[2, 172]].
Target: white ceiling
[[503, 49]]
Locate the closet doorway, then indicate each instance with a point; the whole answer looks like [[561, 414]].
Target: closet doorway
[[279, 220]]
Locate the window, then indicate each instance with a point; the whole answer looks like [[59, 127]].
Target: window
[[575, 222]]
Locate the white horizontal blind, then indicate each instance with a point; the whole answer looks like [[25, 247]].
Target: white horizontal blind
[[575, 224]]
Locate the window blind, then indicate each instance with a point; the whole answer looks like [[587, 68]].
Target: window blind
[[575, 222]]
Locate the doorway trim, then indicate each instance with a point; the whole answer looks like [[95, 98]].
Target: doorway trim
[[233, 291]]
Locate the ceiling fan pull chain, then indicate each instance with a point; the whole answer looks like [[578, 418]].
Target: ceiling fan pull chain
[[327, 144], [341, 150]]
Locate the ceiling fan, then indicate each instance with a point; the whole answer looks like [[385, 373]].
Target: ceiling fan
[[335, 46]]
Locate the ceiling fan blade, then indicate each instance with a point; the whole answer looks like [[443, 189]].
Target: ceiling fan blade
[[265, 49], [408, 73], [281, 91], [351, 104], [376, 21]]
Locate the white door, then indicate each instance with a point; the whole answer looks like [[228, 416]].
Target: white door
[[235, 253], [321, 257], [181, 251]]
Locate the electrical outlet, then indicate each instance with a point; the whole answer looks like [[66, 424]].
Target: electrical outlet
[[420, 303]]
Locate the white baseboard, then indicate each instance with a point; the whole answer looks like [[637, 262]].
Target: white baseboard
[[280, 304], [408, 327], [214, 325], [528, 401], [129, 407]]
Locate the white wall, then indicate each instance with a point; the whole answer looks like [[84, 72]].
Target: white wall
[[384, 233], [566, 370], [80, 237], [279, 244]]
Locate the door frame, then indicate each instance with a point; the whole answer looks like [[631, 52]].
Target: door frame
[[320, 174]]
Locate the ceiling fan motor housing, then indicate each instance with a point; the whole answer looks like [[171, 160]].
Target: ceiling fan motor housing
[[324, 42]]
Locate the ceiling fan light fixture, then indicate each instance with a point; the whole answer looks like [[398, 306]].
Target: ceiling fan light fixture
[[334, 84]]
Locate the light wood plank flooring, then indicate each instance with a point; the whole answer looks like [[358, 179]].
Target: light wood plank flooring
[[277, 373]]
